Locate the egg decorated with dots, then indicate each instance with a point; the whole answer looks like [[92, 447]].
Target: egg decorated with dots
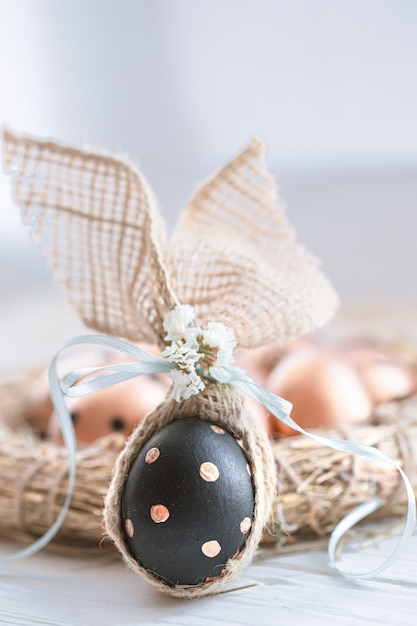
[[188, 502]]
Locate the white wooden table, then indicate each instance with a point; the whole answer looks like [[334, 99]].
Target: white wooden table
[[299, 589]]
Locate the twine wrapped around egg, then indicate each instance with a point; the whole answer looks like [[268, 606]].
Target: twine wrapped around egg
[[224, 407], [233, 258]]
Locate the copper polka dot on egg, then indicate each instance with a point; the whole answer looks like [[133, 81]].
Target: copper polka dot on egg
[[245, 525], [152, 455], [129, 528], [159, 513], [188, 508], [209, 472], [211, 548]]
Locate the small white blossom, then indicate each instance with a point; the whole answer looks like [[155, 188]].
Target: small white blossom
[[196, 353], [177, 320], [186, 384], [220, 336], [183, 353]]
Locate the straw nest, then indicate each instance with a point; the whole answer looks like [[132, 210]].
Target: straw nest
[[315, 486]]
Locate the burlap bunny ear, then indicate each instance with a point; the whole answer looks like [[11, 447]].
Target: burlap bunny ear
[[95, 218], [233, 256], [235, 259]]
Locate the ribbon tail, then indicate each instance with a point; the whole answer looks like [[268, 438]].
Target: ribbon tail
[[121, 372], [148, 364], [280, 408], [70, 443]]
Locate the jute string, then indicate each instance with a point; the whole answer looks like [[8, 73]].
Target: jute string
[[222, 406]]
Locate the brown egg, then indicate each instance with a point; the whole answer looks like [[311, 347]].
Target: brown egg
[[116, 409], [259, 362], [385, 376], [325, 390], [39, 404]]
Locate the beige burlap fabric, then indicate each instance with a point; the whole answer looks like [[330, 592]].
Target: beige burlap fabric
[[233, 257]]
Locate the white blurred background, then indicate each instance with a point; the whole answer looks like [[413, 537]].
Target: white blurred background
[[181, 85]]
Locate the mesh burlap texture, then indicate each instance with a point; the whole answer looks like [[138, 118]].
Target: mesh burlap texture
[[233, 256], [96, 220], [218, 404]]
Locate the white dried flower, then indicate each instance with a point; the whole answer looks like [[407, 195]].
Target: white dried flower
[[177, 320], [196, 353], [222, 337], [186, 384], [184, 353]]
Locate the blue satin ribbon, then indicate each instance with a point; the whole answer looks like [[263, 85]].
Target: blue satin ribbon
[[71, 445], [146, 363], [274, 404]]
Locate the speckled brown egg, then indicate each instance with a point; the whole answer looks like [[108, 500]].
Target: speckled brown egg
[[39, 407], [324, 388], [258, 363], [188, 502], [116, 409]]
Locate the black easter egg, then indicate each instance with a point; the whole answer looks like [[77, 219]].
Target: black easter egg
[[188, 502]]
